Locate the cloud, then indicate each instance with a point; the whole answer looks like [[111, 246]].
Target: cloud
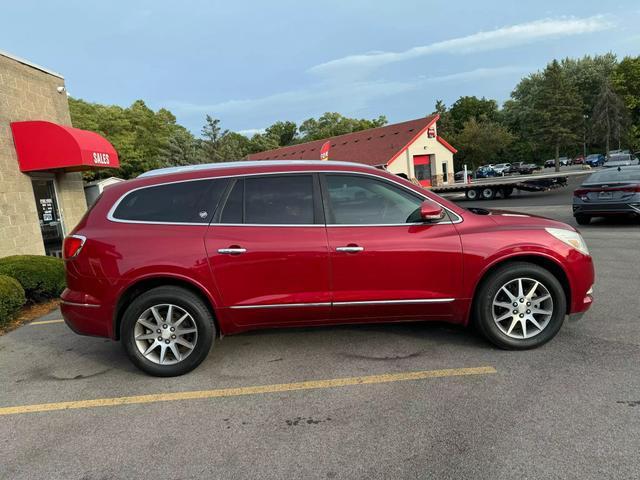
[[500, 38], [478, 74], [250, 132], [347, 98]]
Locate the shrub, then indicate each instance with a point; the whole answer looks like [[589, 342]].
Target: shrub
[[41, 277], [11, 298]]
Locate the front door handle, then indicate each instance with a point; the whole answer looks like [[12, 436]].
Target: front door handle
[[350, 249], [232, 250]]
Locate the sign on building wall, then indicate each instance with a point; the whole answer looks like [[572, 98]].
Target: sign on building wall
[[324, 151]]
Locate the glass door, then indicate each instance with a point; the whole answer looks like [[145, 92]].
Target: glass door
[[50, 221]]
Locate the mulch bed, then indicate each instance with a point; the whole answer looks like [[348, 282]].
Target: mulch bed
[[29, 313]]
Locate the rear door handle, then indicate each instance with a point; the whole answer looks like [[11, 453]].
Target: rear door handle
[[350, 249], [232, 250]]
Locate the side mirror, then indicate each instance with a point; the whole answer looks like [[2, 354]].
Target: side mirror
[[431, 212]]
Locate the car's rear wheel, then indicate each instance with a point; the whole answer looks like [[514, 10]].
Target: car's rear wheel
[[167, 331], [519, 306], [583, 219]]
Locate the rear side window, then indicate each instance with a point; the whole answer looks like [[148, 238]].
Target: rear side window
[[271, 200], [180, 202]]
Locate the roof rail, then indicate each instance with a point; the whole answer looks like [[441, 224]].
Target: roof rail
[[240, 163]]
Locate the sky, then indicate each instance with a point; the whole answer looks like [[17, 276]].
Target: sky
[[251, 63]]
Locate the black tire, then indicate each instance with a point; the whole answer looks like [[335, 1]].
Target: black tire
[[471, 194], [483, 305], [506, 192], [583, 219], [488, 193], [190, 303]]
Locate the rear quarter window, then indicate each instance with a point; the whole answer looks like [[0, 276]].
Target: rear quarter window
[[181, 202]]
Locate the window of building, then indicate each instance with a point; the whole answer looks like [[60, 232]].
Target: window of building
[[271, 200], [359, 200], [181, 202]]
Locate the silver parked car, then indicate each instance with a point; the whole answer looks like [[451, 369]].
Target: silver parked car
[[614, 191], [621, 160]]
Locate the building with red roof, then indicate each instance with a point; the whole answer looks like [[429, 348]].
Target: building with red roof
[[412, 149]]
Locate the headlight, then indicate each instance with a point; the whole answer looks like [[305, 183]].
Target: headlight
[[571, 238]]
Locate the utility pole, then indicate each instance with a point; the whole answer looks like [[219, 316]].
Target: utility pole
[[584, 136]]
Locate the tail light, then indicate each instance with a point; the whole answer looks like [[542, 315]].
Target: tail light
[[580, 192], [73, 245], [631, 188]]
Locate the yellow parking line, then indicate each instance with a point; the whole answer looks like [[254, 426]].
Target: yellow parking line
[[233, 392], [47, 322]]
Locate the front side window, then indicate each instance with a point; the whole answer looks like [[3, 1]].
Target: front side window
[[271, 200], [358, 200], [180, 202]]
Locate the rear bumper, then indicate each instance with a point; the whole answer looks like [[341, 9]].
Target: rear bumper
[[613, 208], [84, 315]]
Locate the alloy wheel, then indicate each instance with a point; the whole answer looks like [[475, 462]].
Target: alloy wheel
[[522, 308], [165, 334]]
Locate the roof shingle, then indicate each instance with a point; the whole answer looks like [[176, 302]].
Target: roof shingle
[[375, 146]]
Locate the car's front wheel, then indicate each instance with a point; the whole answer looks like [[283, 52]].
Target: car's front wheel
[[167, 331], [520, 306]]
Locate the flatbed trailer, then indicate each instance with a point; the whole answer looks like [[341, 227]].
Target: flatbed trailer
[[490, 188]]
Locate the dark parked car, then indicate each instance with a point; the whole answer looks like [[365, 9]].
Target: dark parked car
[[564, 162], [614, 191], [171, 260], [459, 176], [522, 168], [485, 172]]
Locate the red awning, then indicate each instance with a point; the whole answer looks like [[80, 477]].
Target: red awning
[[49, 146]]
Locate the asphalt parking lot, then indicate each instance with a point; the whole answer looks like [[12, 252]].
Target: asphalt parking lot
[[344, 402]]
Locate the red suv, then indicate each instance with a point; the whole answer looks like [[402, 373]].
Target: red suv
[[178, 256]]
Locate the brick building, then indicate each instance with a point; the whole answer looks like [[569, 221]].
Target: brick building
[[412, 149], [41, 190]]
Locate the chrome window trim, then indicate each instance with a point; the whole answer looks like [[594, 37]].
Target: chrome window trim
[[456, 218], [413, 301], [111, 218]]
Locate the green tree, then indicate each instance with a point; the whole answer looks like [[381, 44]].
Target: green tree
[[482, 140], [261, 142], [556, 110], [234, 146], [468, 107], [626, 82], [444, 124], [211, 144], [331, 124], [609, 115], [588, 74], [284, 132], [144, 139]]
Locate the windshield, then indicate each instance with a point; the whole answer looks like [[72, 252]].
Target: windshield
[[610, 176]]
